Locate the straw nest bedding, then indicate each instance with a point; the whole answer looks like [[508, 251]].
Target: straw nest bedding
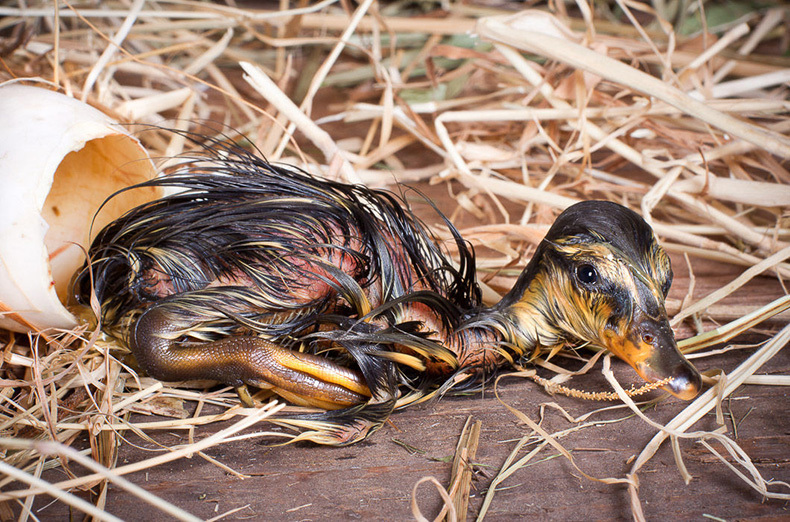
[[516, 114]]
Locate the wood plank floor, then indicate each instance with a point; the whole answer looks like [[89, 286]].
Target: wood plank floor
[[373, 480]]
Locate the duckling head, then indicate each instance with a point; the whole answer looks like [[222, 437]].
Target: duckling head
[[600, 277]]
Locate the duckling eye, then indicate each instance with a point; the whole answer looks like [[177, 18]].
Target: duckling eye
[[586, 274]]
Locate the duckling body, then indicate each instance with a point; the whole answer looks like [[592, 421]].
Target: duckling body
[[337, 296]]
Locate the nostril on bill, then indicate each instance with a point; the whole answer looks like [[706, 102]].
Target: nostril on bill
[[686, 382]]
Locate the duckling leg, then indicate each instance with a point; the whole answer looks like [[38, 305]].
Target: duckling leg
[[302, 378]]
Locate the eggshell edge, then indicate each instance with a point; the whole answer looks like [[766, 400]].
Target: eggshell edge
[[38, 128]]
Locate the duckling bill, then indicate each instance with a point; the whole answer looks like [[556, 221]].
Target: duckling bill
[[337, 296]]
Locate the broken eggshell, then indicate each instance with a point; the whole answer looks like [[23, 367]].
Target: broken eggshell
[[59, 161]]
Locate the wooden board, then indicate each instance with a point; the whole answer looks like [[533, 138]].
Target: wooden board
[[373, 480]]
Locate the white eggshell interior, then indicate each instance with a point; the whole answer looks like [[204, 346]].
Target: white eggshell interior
[[59, 161]]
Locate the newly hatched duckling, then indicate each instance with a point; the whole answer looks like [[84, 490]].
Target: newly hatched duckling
[[336, 296]]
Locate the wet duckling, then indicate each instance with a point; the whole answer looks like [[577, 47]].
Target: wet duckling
[[336, 296]]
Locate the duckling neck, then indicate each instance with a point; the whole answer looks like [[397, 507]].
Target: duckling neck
[[502, 335]]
